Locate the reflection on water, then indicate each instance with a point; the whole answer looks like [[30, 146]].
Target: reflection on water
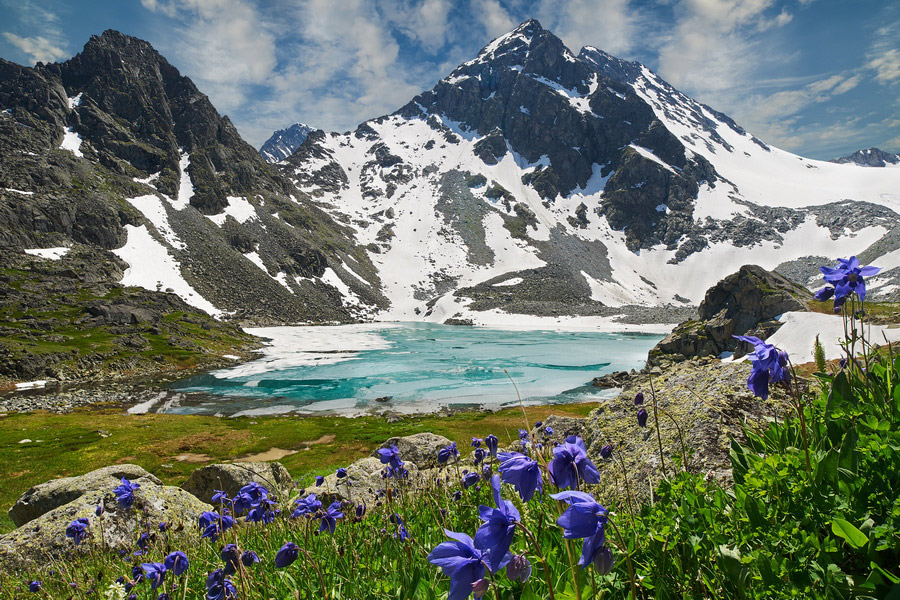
[[409, 367]]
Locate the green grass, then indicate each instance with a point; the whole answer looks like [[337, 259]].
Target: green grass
[[74, 443]]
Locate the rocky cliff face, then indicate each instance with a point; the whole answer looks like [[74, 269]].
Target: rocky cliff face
[[115, 150], [534, 180]]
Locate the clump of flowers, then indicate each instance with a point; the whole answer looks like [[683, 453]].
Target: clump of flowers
[[770, 365], [125, 493]]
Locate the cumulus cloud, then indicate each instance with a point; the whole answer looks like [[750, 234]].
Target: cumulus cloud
[[45, 42], [610, 25], [492, 16]]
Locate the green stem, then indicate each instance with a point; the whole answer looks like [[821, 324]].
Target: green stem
[[662, 459], [627, 558], [540, 554]]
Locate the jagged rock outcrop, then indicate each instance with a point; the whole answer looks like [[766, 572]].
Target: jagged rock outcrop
[[744, 303]]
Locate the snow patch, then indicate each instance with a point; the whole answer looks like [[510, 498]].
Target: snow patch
[[153, 268], [798, 332], [185, 186], [511, 281], [648, 154], [238, 208], [75, 101], [48, 253], [152, 208], [15, 191], [72, 142]]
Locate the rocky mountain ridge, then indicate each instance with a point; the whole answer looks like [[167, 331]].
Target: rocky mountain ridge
[[871, 157]]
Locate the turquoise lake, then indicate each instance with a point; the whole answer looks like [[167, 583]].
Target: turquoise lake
[[407, 368]]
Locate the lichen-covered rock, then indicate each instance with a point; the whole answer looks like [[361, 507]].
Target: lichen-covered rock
[[44, 538], [364, 478], [420, 449], [45, 497], [231, 477]]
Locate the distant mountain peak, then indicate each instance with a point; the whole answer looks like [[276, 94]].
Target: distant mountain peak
[[284, 142], [870, 157]]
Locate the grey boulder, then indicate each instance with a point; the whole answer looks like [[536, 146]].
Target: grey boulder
[[231, 477], [45, 497]]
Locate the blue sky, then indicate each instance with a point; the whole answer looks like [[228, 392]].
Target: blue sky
[[817, 77]]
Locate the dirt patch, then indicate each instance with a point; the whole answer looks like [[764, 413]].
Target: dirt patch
[[270, 454], [195, 442], [325, 439], [125, 459], [193, 458]]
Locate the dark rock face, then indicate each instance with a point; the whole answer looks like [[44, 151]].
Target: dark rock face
[[231, 477], [873, 157], [744, 303]]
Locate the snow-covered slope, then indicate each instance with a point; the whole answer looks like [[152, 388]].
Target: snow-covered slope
[[532, 181]]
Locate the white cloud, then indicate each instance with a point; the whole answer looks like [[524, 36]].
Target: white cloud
[[611, 25], [39, 48], [492, 16], [424, 21], [45, 41], [886, 65]]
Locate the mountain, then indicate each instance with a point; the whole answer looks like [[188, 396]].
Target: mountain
[[284, 141], [873, 157], [534, 181], [116, 152]]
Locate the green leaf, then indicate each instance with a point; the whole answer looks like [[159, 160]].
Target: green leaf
[[849, 532]]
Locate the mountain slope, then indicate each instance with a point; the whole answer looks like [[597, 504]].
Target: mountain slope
[[115, 150], [534, 181]]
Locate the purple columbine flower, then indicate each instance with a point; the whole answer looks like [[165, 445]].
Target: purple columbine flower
[[319, 480], [491, 442], [584, 518], [769, 365], [390, 456], [523, 435], [99, 510], [360, 511], [219, 587], [77, 530], [35, 586], [445, 453], [848, 277], [329, 519], [341, 473], [249, 557], [125, 493], [470, 479], [642, 417], [231, 556], [824, 294], [603, 560], [548, 430], [476, 442], [212, 524], [461, 561], [306, 506], [639, 398], [522, 472], [478, 455], [287, 555], [496, 534], [518, 569], [220, 497], [606, 451], [177, 562], [163, 527], [480, 588], [155, 573], [571, 464]]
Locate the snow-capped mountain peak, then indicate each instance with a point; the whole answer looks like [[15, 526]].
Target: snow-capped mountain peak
[[284, 141], [533, 181]]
